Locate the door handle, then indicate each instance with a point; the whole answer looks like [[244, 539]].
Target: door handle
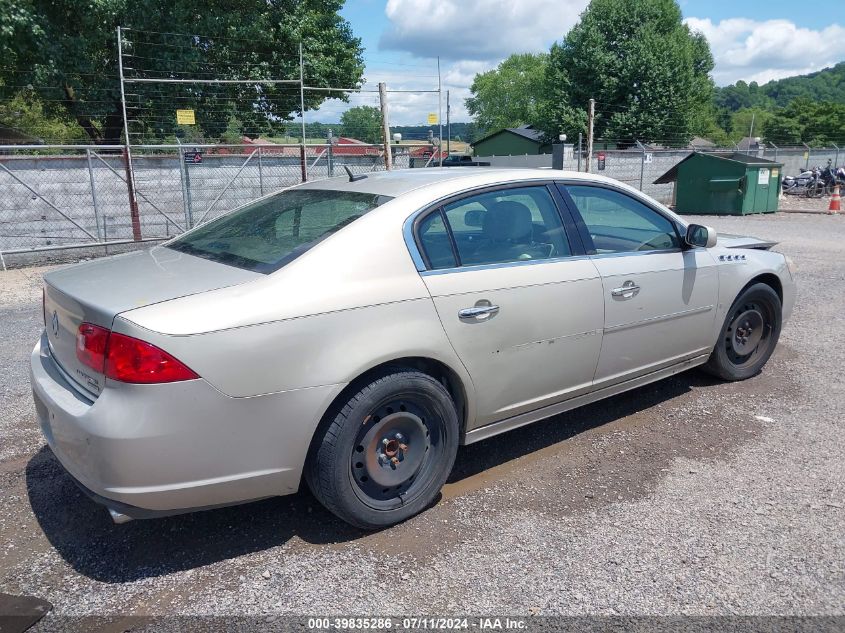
[[627, 290], [478, 311]]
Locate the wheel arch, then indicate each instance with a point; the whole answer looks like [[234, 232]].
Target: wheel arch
[[437, 369], [770, 279]]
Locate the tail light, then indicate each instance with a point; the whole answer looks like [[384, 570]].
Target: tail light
[[91, 344], [126, 358]]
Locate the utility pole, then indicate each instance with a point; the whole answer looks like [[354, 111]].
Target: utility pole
[[751, 133], [448, 125], [439, 112], [385, 126], [590, 122]]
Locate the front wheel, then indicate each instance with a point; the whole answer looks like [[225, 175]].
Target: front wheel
[[386, 452], [748, 336]]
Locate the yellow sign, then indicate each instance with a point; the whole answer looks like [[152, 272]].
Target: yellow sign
[[775, 172], [432, 118], [185, 117]]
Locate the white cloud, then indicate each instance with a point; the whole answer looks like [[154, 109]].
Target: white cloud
[[759, 51], [477, 29]]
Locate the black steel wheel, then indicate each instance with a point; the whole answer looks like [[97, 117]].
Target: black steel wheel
[[749, 334], [386, 452]]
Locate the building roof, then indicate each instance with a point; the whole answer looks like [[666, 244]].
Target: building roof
[[736, 157], [525, 131], [13, 136], [749, 142], [699, 141]]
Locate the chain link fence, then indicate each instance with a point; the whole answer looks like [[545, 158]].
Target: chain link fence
[[62, 196]]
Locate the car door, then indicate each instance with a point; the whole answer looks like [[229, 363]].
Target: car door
[[659, 297], [523, 311]]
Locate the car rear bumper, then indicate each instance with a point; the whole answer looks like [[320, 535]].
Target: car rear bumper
[[150, 450]]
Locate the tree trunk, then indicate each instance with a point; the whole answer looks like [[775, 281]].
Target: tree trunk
[[84, 121]]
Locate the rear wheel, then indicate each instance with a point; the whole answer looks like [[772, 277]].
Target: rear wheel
[[385, 454], [749, 334]]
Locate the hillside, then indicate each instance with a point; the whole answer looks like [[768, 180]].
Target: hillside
[[824, 85]]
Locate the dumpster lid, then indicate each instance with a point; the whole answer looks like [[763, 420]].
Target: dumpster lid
[[736, 157]]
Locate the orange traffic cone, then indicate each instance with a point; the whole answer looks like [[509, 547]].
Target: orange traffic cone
[[834, 202]]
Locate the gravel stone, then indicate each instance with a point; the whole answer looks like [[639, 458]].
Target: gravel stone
[[689, 496]]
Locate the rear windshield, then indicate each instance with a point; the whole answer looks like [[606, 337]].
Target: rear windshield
[[267, 234]]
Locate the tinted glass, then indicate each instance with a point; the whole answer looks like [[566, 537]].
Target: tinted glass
[[266, 235], [509, 225], [618, 223], [435, 242]]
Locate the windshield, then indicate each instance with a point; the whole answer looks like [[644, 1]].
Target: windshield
[[267, 234]]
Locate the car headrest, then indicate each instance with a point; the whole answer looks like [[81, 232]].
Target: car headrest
[[507, 220]]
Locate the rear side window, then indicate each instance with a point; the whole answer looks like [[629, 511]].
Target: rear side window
[[266, 235], [494, 227], [618, 223]]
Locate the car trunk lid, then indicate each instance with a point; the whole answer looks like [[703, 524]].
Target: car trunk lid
[[96, 291]]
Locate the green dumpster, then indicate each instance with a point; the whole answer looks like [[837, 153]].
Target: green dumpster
[[724, 183]]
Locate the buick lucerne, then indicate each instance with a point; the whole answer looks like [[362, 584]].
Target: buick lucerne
[[352, 333]]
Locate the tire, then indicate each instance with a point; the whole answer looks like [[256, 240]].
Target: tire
[[749, 335], [385, 453]]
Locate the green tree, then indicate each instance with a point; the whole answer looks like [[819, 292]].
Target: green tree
[[25, 111], [648, 73], [806, 121], [234, 132], [69, 53], [741, 123], [363, 123], [510, 94]]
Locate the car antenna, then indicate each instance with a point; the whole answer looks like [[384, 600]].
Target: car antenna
[[353, 177]]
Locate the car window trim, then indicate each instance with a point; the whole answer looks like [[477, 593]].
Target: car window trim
[[584, 232], [420, 257]]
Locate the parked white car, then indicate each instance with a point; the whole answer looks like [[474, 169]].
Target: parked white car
[[356, 331]]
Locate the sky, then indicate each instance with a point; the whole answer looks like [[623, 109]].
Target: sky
[[754, 40]]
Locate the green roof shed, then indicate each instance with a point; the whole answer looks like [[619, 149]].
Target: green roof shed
[[512, 141], [724, 183]]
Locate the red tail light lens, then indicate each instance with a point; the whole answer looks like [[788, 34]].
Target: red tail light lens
[[91, 343], [133, 360], [127, 359]]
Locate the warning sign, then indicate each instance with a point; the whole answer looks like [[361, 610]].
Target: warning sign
[[432, 118], [763, 176], [185, 117]]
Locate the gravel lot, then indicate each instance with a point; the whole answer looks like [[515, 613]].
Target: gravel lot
[[685, 497]]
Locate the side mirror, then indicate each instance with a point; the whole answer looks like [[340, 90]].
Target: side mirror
[[474, 217], [700, 236]]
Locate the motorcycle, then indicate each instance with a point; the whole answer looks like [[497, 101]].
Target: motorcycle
[[807, 183]]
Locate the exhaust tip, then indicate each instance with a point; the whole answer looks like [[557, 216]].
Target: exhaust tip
[[118, 517]]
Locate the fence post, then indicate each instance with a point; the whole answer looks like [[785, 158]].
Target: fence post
[[127, 155], [590, 124], [133, 201], [580, 139], [302, 111], [807, 165], [186, 186], [836, 160], [642, 162], [93, 193], [776, 151], [260, 173]]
